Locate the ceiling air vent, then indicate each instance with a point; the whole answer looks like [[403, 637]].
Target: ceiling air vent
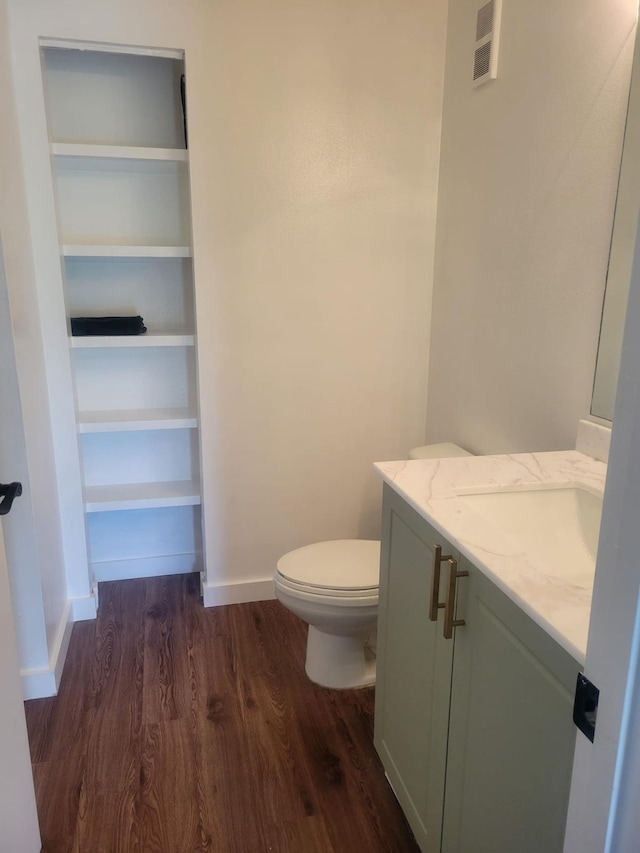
[[485, 60]]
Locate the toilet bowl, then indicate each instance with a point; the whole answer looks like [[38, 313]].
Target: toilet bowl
[[333, 586]]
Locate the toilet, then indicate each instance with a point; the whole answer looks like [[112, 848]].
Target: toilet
[[333, 586]]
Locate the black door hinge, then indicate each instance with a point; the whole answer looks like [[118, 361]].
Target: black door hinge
[[8, 492], [585, 706]]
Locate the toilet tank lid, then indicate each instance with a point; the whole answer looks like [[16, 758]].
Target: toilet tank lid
[[335, 564], [445, 450]]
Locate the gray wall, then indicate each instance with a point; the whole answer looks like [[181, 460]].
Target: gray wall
[[528, 176]]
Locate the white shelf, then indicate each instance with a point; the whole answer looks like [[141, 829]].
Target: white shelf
[[136, 419], [118, 152], [141, 496], [81, 250], [104, 47], [128, 341]]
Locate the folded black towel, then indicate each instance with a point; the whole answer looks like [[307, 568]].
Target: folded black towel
[[81, 326]]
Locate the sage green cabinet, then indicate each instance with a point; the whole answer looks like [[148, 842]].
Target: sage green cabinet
[[475, 732], [511, 734], [413, 675]]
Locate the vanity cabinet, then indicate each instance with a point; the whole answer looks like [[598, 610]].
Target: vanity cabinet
[[413, 671], [475, 732]]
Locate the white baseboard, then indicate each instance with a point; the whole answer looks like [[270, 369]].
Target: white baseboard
[[146, 567], [84, 608], [61, 645], [38, 683], [237, 592]]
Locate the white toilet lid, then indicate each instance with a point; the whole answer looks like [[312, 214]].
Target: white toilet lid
[[336, 564]]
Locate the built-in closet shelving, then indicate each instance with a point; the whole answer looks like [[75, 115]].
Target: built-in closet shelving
[[121, 173]]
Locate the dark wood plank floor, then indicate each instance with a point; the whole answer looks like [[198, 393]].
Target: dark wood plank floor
[[179, 728]]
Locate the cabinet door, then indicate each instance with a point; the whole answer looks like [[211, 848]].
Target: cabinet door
[[511, 736], [413, 671]]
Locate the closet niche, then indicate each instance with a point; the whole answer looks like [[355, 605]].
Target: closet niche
[[117, 135]]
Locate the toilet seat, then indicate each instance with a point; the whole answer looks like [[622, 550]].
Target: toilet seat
[[343, 568], [329, 594]]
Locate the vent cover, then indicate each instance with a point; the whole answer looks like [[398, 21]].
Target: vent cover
[[485, 60], [484, 24], [482, 61]]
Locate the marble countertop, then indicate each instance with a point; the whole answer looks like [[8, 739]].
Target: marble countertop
[[432, 487]]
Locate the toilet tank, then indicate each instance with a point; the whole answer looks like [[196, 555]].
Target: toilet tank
[[443, 450]]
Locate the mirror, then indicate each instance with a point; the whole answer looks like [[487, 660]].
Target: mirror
[[620, 258]]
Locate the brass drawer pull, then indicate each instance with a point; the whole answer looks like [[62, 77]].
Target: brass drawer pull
[[450, 605], [434, 604]]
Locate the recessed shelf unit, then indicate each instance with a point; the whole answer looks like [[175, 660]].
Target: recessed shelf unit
[[121, 172]]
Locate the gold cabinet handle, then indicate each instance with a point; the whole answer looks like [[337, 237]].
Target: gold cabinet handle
[[434, 604], [450, 605]]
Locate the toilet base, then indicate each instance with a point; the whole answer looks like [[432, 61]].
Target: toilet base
[[339, 662]]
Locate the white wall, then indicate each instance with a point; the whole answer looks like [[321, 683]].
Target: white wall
[[527, 189], [18, 816], [314, 136], [323, 186], [603, 807], [33, 537], [19, 527]]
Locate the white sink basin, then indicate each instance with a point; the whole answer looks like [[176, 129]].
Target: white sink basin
[[557, 528]]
